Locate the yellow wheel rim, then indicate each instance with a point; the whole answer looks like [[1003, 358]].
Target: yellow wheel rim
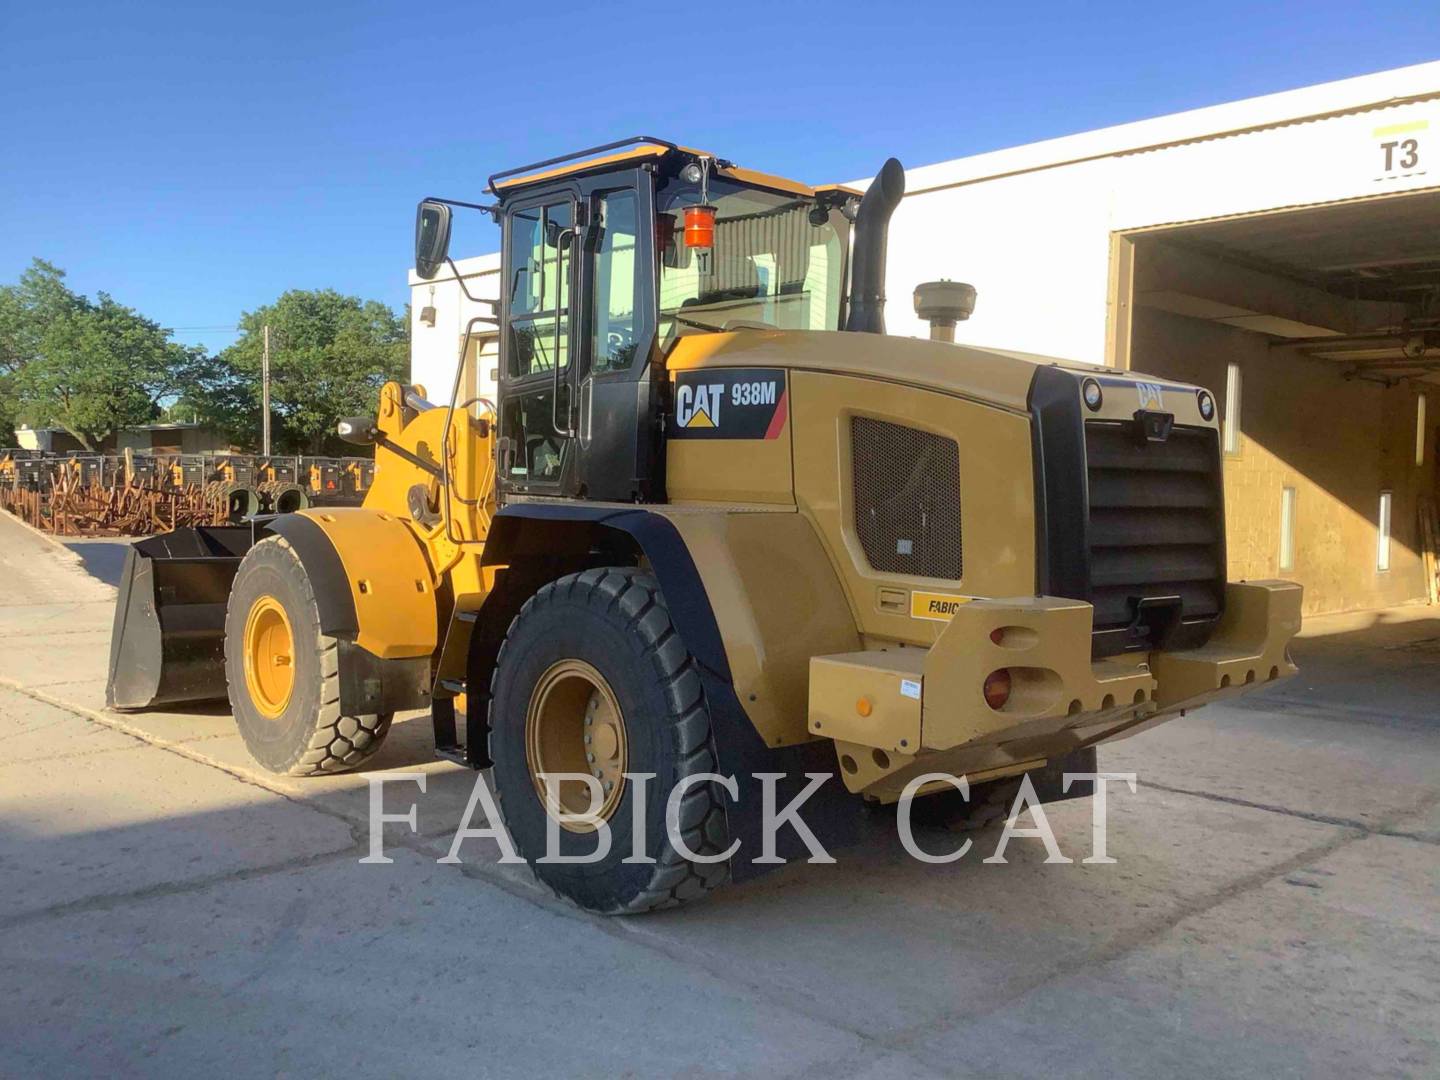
[[269, 657], [574, 725]]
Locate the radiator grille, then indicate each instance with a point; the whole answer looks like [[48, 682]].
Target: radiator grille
[[1156, 527], [906, 487]]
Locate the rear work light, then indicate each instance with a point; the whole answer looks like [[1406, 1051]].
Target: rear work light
[[997, 688]]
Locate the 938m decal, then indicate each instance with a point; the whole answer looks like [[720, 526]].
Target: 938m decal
[[729, 403]]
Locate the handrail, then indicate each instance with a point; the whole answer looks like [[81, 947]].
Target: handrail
[[445, 451]]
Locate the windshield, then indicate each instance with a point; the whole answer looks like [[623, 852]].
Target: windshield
[[770, 265]]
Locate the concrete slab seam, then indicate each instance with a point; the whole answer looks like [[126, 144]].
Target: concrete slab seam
[[1305, 815]]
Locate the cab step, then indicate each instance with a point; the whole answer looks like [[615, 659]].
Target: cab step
[[473, 753]]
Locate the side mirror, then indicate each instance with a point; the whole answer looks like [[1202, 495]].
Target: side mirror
[[432, 238], [359, 430]]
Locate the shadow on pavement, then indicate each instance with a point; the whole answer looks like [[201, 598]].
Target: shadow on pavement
[[103, 559]]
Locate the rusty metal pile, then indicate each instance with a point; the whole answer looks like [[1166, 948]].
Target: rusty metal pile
[[138, 494], [73, 507]]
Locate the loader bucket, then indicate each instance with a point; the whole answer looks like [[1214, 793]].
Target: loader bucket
[[168, 641]]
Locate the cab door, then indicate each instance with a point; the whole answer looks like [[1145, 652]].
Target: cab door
[[616, 415]]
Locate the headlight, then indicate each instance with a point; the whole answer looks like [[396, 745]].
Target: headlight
[[1090, 390], [1207, 404]]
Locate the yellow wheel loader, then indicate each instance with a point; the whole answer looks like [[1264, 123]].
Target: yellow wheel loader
[[719, 533]]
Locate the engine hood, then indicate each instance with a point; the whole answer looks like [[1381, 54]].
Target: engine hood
[[998, 377]]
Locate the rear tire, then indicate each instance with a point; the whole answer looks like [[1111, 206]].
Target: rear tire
[[283, 673], [609, 628]]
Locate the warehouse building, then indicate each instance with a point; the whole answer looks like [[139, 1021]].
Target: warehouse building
[[159, 438], [1283, 251]]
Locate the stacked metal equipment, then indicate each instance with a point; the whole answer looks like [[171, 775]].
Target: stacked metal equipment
[[134, 494]]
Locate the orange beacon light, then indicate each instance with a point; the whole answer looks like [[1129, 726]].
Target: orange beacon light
[[699, 226]]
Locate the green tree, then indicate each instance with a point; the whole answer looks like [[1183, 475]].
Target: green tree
[[28, 309], [329, 356], [90, 367]]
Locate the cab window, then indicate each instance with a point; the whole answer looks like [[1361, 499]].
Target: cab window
[[616, 330], [538, 448], [776, 261], [539, 289]]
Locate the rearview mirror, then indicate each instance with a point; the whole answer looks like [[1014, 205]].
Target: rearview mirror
[[432, 238]]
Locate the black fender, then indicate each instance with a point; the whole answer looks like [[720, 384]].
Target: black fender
[[322, 563], [571, 532], [520, 528]]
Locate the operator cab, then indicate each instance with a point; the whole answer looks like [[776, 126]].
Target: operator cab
[[609, 256]]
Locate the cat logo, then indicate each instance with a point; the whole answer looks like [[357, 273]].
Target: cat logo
[[729, 403], [698, 405], [1151, 396]]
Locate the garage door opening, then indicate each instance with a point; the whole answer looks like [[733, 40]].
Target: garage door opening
[[1319, 330]]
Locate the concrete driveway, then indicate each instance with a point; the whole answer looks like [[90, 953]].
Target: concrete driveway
[[168, 909]]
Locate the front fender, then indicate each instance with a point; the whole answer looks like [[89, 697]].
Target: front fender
[[375, 594], [371, 578]]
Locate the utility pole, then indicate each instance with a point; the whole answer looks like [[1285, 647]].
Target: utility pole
[[265, 396]]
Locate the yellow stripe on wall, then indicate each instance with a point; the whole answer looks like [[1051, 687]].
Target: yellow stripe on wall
[[1401, 129]]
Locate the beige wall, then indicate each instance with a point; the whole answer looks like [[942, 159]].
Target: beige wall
[[200, 440], [169, 440], [1337, 442]]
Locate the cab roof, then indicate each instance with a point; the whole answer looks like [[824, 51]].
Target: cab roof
[[642, 148]]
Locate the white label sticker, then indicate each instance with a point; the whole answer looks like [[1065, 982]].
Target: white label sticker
[[910, 688], [904, 547]]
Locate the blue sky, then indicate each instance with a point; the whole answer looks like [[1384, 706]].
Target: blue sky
[[197, 159]]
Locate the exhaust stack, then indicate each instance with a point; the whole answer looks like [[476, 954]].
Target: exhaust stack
[[872, 227]]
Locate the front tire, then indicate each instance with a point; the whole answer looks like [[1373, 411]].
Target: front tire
[[592, 676], [283, 672]]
